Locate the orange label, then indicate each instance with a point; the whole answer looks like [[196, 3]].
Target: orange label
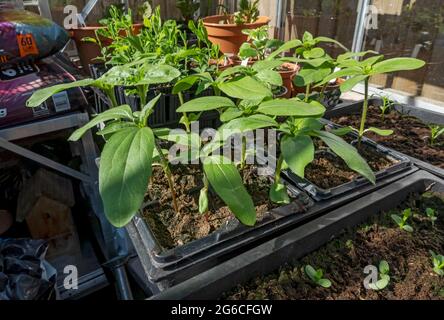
[[3, 59], [27, 45]]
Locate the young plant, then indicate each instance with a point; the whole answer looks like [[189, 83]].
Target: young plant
[[248, 12], [435, 131], [384, 277], [386, 106], [258, 44], [187, 8], [401, 221], [359, 71], [297, 133], [316, 276], [432, 215], [139, 75], [130, 147], [438, 263], [218, 172]]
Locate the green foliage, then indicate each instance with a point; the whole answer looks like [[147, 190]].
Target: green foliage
[[435, 132], [432, 215], [316, 276], [386, 106], [438, 263], [187, 8], [384, 277], [401, 221], [258, 44], [248, 12]]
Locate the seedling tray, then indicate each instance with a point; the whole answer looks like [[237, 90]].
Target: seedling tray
[[319, 194], [298, 242], [176, 265], [427, 116]]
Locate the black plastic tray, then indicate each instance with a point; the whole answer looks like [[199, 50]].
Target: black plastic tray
[[427, 116], [178, 264], [298, 242], [319, 194]]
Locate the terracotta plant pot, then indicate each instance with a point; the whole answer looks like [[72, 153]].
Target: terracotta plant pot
[[222, 65], [229, 36], [88, 51], [288, 73]]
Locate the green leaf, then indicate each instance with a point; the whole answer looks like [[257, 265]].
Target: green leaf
[[227, 183], [40, 96], [113, 127], [270, 77], [298, 152], [350, 83], [230, 114], [384, 267], [326, 39], [266, 65], [348, 153], [156, 74], [185, 84], [206, 104], [407, 228], [397, 219], [285, 47], [309, 75], [340, 74], [349, 55], [148, 108], [311, 273], [380, 284], [314, 53], [250, 123], [245, 88], [125, 168], [380, 132], [278, 193], [291, 107], [180, 137], [122, 112], [246, 51], [397, 64], [342, 131], [325, 283], [203, 201]]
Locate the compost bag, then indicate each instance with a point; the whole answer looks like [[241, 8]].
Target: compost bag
[[24, 274], [25, 35]]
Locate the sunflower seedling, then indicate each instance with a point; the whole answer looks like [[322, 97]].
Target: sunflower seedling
[[438, 263], [435, 131], [402, 221], [384, 277], [431, 214], [317, 276], [387, 105]]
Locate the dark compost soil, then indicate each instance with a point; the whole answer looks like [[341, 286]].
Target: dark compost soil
[[411, 136], [328, 170], [344, 259], [171, 229]]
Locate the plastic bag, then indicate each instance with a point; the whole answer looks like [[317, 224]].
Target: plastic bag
[[25, 35], [24, 274]]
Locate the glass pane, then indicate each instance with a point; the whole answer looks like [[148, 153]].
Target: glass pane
[[331, 18], [409, 29]]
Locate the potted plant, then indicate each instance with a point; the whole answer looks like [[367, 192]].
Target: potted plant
[[226, 30], [260, 47], [90, 40]]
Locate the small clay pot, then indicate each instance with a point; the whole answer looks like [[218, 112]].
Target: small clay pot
[[229, 36], [288, 73], [88, 51]]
